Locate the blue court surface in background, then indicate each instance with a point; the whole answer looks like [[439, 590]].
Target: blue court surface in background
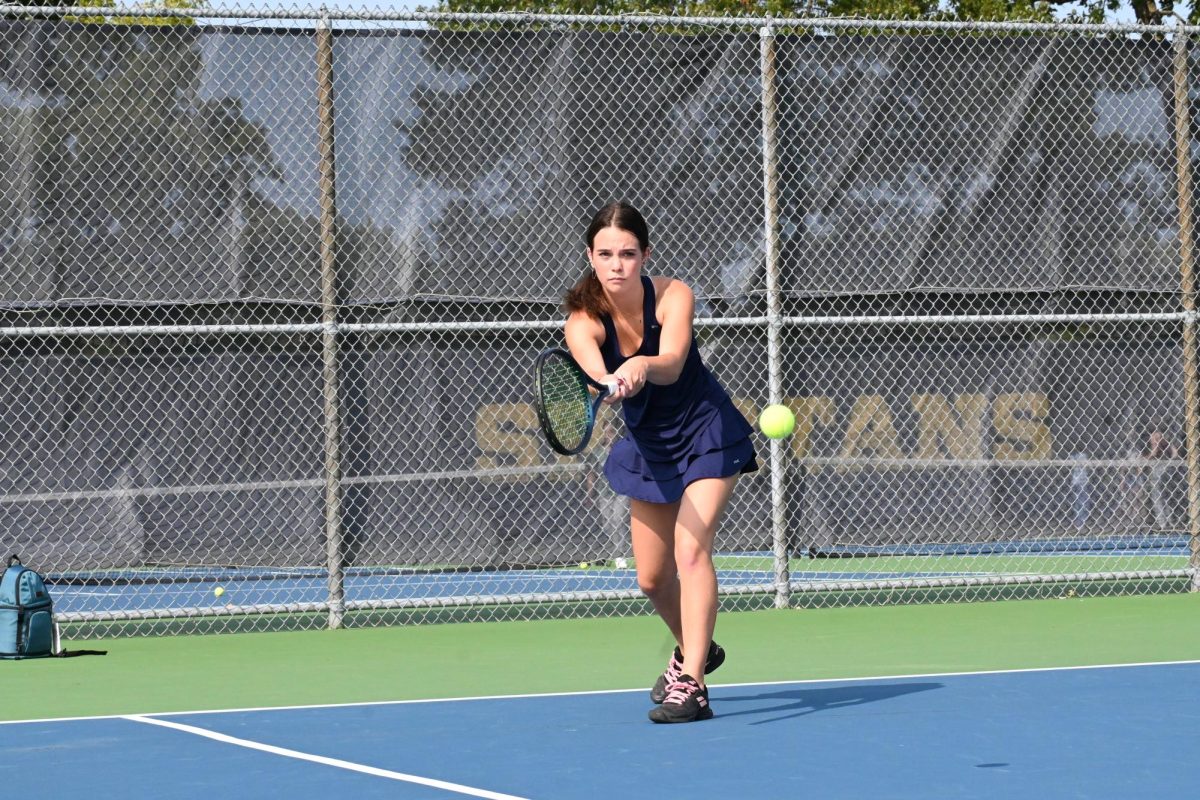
[[249, 592], [182, 587], [1101, 732]]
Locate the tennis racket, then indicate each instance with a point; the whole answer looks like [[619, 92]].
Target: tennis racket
[[564, 399]]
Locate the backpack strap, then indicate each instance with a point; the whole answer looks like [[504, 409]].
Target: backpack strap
[[13, 560]]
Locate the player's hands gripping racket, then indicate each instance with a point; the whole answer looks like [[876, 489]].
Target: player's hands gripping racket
[[566, 407]]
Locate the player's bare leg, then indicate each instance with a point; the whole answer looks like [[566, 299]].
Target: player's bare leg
[[700, 511], [652, 529]]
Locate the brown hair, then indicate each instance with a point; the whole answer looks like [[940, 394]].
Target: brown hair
[[587, 294]]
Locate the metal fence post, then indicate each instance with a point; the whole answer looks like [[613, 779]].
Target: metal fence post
[[1191, 393], [779, 531], [327, 244]]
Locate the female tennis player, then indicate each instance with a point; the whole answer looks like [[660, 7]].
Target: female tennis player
[[684, 448]]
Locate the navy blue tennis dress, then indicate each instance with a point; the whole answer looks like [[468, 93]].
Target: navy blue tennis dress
[[676, 433]]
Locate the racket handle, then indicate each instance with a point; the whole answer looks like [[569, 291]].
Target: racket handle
[[611, 387]]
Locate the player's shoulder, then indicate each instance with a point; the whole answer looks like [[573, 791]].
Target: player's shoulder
[[672, 291], [582, 323]]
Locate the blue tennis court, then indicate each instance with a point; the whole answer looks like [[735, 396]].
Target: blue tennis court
[[247, 588], [183, 587], [1099, 732]]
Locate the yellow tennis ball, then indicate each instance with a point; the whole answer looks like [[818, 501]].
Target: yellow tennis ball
[[777, 421], [584, 565], [220, 590]]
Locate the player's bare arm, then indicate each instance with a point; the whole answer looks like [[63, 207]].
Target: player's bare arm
[[584, 335]]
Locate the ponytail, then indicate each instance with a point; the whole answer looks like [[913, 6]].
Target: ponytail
[[586, 295]]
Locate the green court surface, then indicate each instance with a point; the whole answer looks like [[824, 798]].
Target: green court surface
[[999, 564], [158, 674]]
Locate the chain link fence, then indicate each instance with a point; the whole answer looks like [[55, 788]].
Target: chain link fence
[[272, 282]]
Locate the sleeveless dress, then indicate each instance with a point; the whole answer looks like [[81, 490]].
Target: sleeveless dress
[[676, 433]]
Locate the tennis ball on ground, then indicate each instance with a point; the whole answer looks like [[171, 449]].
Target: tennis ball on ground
[[584, 565], [220, 590], [776, 421]]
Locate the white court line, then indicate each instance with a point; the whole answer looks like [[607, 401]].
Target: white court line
[[800, 681], [329, 762], [70, 590]]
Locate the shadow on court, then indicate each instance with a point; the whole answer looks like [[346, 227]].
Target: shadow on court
[[805, 700]]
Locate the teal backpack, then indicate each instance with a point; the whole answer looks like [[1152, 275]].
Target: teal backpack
[[26, 614]]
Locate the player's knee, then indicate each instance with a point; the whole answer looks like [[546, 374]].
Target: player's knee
[[654, 583], [693, 559]]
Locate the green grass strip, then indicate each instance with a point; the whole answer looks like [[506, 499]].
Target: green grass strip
[[179, 673]]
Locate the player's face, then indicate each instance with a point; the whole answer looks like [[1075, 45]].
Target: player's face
[[617, 258]]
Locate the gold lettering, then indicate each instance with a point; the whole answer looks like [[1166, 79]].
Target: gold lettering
[[810, 412], [871, 431], [506, 435], [943, 432], [1019, 420]]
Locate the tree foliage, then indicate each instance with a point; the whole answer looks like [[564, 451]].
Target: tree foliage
[[1094, 11], [129, 19]]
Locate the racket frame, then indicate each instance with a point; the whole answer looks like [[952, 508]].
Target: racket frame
[[602, 391]]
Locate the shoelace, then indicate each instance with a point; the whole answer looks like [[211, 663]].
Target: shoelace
[[679, 692], [674, 670]]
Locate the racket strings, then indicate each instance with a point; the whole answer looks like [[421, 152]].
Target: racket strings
[[566, 403]]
